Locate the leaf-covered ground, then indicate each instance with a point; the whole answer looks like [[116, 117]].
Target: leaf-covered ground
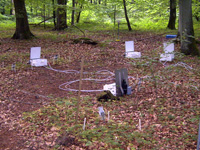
[[36, 114]]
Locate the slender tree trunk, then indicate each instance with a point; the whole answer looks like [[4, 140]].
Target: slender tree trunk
[[79, 14], [186, 31], [172, 17], [197, 17], [11, 8], [3, 7], [54, 14], [31, 7], [44, 13], [126, 15], [105, 3], [22, 27], [61, 15], [196, 14], [3, 10], [36, 12], [114, 15], [73, 12]]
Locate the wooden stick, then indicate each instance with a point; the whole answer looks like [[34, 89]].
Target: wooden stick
[[140, 127], [108, 115], [79, 92]]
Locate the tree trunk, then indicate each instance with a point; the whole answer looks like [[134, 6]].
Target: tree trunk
[[54, 14], [3, 7], [22, 27], [73, 12], [79, 14], [61, 15], [114, 15], [186, 31], [44, 14], [172, 17], [126, 15], [11, 8], [31, 7], [197, 13], [3, 10]]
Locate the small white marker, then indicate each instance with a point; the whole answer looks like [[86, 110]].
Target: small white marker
[[84, 123], [101, 113], [13, 67]]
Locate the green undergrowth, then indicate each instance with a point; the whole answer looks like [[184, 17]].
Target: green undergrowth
[[113, 134], [20, 60], [143, 25], [197, 29]]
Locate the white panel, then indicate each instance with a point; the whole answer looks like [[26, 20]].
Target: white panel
[[38, 62], [111, 88], [166, 57], [133, 54], [35, 53], [168, 47], [129, 46]]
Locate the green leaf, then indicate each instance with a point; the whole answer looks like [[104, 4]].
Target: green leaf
[[88, 143]]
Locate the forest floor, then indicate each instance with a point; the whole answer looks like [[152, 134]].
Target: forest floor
[[36, 114]]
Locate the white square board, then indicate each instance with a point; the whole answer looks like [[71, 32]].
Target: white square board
[[35, 53], [166, 57], [129, 46], [168, 47]]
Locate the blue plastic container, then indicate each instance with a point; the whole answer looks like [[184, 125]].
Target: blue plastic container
[[170, 36]]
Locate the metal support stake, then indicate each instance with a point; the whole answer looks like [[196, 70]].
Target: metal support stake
[[118, 30]]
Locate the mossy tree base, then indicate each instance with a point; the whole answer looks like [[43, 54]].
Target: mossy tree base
[[106, 96], [84, 40]]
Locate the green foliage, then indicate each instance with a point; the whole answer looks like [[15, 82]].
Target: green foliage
[[143, 14], [196, 8], [151, 8], [60, 114], [4, 18], [147, 24]]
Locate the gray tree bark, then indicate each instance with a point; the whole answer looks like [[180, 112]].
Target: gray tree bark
[[22, 27], [186, 31]]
